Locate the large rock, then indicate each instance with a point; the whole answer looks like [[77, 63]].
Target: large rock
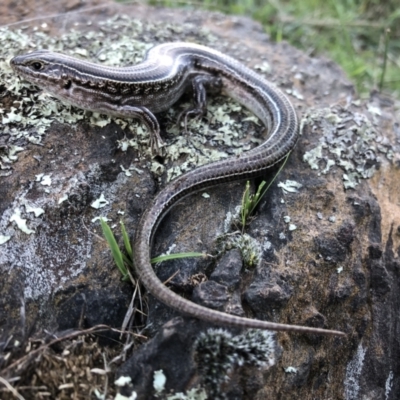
[[322, 251]]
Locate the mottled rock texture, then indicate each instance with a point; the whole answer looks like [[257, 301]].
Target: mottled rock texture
[[335, 264]]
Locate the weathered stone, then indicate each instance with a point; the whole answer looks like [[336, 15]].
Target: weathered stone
[[168, 351], [211, 294], [227, 271], [266, 293], [338, 267]]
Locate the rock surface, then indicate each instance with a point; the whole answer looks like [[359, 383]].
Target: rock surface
[[322, 251]]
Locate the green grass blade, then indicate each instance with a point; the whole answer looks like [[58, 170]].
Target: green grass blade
[[250, 201], [257, 197], [385, 56], [127, 260], [127, 242], [176, 256], [262, 193], [244, 211], [115, 251]]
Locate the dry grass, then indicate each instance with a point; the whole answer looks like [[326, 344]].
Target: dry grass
[[71, 365]]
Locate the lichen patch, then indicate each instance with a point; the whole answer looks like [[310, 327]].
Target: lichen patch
[[349, 140]]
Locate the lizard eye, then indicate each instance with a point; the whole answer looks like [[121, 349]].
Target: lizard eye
[[37, 66]]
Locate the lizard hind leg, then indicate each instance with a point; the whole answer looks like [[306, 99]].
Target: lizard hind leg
[[200, 85]]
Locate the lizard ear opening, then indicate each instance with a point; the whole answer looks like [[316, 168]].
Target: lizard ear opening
[[67, 84]]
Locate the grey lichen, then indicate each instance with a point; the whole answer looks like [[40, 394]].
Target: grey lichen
[[28, 113], [290, 186], [159, 382], [218, 352], [349, 140], [112, 43], [352, 384], [192, 394], [250, 249]]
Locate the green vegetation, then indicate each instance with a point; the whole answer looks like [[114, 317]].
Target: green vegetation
[[124, 260], [360, 35], [250, 201]]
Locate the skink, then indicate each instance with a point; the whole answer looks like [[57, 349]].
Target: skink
[[152, 86]]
